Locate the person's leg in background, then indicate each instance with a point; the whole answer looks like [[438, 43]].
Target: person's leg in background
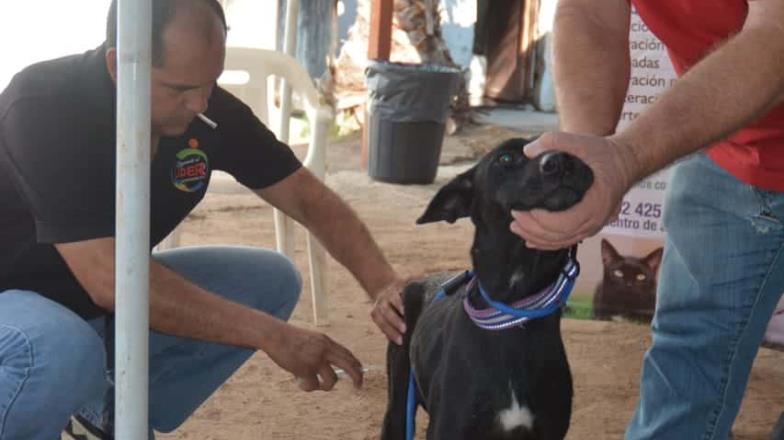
[[720, 280], [51, 363], [185, 372]]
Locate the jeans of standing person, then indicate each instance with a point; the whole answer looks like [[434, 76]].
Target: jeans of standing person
[[53, 363], [721, 277]]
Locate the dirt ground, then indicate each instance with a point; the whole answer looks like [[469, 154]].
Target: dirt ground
[[263, 402]]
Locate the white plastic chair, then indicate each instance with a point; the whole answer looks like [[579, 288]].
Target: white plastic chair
[[261, 67]]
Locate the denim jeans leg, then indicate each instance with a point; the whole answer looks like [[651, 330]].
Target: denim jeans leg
[[51, 363], [720, 280], [185, 372]]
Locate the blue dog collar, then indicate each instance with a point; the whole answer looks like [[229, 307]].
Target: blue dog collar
[[500, 316]]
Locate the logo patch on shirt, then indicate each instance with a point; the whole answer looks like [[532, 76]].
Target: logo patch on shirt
[[191, 169]]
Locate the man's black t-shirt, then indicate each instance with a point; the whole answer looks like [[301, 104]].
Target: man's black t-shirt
[[57, 169]]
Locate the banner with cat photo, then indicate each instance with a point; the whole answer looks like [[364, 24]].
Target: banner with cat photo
[[619, 266]]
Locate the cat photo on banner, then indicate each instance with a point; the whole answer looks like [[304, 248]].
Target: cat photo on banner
[[627, 290]]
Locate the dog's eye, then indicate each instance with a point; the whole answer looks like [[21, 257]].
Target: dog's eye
[[505, 159]]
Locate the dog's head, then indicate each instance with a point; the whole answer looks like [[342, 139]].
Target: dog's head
[[505, 180]]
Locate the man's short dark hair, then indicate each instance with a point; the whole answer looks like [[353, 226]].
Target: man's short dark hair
[[162, 14]]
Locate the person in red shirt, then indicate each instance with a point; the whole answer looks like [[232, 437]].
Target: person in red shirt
[[723, 122]]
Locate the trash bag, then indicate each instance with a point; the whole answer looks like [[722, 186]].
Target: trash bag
[[411, 92], [407, 111]]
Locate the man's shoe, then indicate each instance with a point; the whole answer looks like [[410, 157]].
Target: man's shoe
[[80, 429]]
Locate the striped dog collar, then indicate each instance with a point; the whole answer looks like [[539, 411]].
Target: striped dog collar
[[500, 316]]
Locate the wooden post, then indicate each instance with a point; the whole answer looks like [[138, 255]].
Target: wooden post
[[528, 30], [380, 38], [379, 47]]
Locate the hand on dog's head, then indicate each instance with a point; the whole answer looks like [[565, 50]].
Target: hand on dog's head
[[505, 180]]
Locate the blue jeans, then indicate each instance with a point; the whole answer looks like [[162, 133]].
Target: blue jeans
[[53, 363], [721, 277]]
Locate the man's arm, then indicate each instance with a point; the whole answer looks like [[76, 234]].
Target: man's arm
[[591, 64], [181, 308], [734, 85], [308, 201]]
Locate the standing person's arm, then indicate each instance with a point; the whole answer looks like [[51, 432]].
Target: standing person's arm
[[181, 308], [591, 64], [734, 85], [308, 201]]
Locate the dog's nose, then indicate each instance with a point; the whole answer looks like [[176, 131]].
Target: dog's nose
[[552, 164]]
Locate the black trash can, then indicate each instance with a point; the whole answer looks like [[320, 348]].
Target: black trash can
[[408, 108]]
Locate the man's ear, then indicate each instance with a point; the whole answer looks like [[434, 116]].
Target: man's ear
[[111, 63], [453, 200]]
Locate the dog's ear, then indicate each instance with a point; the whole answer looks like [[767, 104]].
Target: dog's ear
[[453, 200]]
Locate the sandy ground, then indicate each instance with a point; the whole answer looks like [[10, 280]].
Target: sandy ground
[[263, 402]]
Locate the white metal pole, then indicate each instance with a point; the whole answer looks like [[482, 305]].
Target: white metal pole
[[133, 219]]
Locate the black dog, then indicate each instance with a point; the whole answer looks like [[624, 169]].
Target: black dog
[[476, 383]]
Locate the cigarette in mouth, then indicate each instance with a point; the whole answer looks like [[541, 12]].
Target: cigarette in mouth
[[213, 125]]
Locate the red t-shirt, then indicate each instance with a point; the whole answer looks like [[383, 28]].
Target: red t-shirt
[[689, 29]]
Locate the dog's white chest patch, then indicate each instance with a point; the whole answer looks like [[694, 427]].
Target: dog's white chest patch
[[515, 415]]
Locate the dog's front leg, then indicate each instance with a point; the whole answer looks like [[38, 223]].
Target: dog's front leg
[[398, 366], [394, 427]]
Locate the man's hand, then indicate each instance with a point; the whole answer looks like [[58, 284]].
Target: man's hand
[[388, 311], [615, 170], [310, 356]]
